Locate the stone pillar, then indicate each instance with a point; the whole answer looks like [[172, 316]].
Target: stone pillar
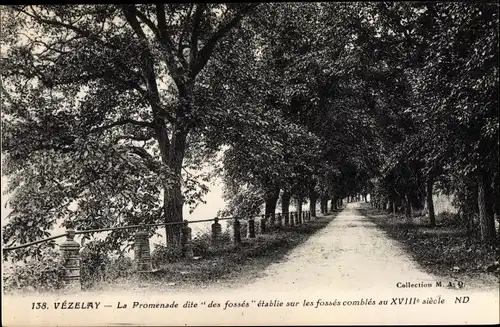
[[142, 253], [71, 262], [251, 228], [263, 227], [279, 220], [237, 231], [187, 247], [216, 232], [292, 219]]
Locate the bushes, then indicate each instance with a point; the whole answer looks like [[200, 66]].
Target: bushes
[[98, 265], [94, 259], [45, 273], [163, 255], [119, 267], [201, 244], [446, 218], [39, 274]]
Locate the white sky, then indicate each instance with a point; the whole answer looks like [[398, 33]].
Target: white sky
[[214, 203]]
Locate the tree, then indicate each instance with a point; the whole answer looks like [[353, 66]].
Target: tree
[[87, 83]]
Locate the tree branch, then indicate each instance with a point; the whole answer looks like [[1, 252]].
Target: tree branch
[[206, 51], [135, 138], [150, 162], [167, 42], [121, 123], [180, 46], [148, 22], [82, 32], [200, 8], [147, 61]]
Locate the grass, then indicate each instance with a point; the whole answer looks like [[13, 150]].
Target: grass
[[445, 251], [228, 264]]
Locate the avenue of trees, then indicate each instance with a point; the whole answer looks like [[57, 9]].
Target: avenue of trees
[[108, 109]]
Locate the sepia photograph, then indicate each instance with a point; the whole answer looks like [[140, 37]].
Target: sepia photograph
[[259, 163]]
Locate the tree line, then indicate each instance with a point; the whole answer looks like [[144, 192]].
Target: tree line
[[107, 110]]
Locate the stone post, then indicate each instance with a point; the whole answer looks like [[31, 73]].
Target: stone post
[[142, 253], [272, 221], [71, 262], [187, 247], [279, 220], [251, 227], [263, 227], [216, 232], [292, 219], [237, 231]]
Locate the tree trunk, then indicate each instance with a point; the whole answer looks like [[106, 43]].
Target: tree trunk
[[312, 204], [323, 204], [397, 202], [391, 206], [173, 198], [407, 207], [271, 201], [430, 203], [298, 202], [285, 203], [173, 157], [486, 221]]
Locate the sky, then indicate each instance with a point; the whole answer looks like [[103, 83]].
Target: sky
[[214, 203]]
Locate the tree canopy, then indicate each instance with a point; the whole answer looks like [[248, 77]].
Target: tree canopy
[[110, 112]]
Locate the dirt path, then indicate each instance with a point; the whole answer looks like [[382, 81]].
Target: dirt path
[[346, 272], [350, 254]]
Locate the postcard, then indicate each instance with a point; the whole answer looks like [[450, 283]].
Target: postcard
[[250, 164]]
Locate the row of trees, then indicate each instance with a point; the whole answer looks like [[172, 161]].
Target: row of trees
[[445, 131], [108, 108]]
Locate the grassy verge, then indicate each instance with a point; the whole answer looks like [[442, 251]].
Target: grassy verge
[[444, 251], [229, 264]]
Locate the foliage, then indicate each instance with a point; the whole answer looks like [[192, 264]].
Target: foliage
[[445, 252], [163, 255], [112, 114], [445, 55], [42, 273], [101, 107], [201, 244], [94, 259]]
